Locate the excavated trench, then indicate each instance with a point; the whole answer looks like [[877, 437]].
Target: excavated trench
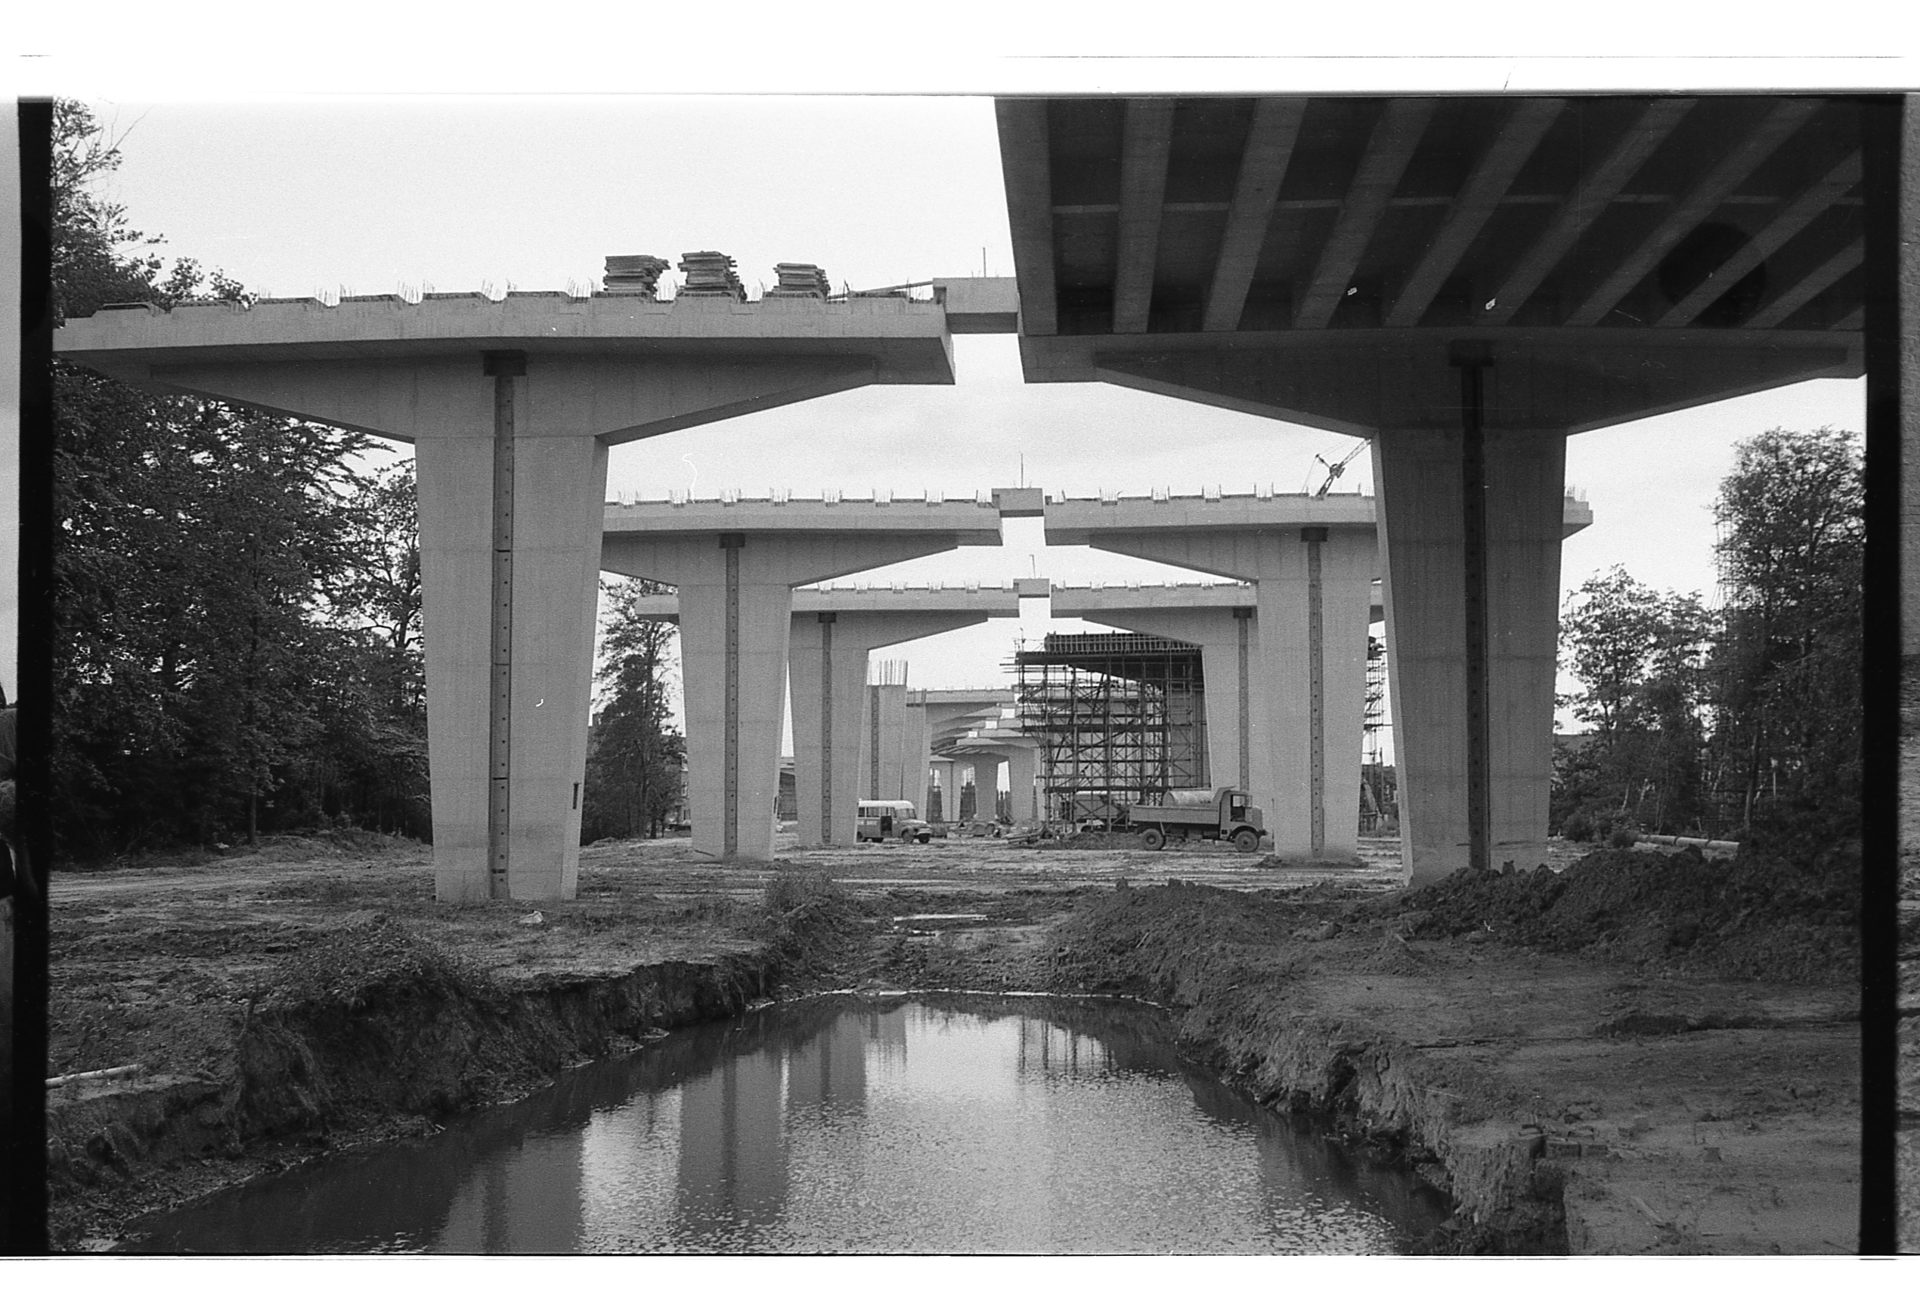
[[325, 1076]]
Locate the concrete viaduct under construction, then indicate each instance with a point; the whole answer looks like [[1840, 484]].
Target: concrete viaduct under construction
[[1285, 654], [1465, 281]]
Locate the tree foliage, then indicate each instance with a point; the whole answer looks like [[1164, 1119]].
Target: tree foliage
[[234, 648], [1639, 655], [1744, 721], [1788, 666], [633, 762]]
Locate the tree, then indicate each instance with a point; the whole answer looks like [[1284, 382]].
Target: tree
[[219, 646], [380, 596], [1639, 655], [1787, 668], [373, 761], [633, 763], [98, 258]]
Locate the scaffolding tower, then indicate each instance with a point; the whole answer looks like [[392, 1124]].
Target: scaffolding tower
[[1120, 718]]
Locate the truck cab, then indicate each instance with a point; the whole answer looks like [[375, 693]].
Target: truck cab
[[1224, 814]]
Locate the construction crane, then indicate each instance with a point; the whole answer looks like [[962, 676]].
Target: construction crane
[[1334, 470]]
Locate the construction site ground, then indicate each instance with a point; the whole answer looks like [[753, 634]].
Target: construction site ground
[[1687, 1073]]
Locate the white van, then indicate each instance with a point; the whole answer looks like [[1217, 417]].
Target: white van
[[880, 819]]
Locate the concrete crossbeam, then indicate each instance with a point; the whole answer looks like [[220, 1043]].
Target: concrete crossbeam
[[607, 365], [1173, 598]]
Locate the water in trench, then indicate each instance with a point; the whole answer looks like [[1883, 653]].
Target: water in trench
[[955, 1125]]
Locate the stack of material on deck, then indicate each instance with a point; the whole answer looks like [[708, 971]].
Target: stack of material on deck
[[801, 280], [633, 274], [708, 272]]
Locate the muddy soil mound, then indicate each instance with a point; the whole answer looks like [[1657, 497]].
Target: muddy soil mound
[[1169, 943], [811, 926], [1755, 917]]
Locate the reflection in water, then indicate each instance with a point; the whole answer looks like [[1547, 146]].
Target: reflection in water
[[1015, 1125]]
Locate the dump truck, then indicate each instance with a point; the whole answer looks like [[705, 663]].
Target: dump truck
[[1225, 814]]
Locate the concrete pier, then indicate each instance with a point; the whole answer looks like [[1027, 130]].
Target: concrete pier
[[986, 784], [735, 565], [954, 714], [1221, 618], [1551, 287], [1423, 545], [837, 772], [946, 771], [987, 749], [511, 405], [1312, 563], [834, 631]]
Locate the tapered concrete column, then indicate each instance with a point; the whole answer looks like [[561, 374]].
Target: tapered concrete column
[[733, 622], [986, 786], [917, 743], [827, 668], [1313, 642], [884, 749], [948, 772], [1423, 544], [553, 588], [734, 606], [1021, 767]]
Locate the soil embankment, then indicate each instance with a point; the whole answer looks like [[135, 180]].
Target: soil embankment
[[1641, 1055]]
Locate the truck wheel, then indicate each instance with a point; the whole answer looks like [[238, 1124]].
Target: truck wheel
[[925, 837], [1153, 838], [1245, 841]]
